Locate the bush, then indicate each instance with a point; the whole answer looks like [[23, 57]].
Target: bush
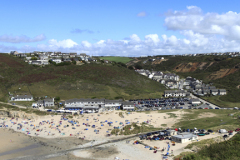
[[138, 66], [131, 68], [57, 99]]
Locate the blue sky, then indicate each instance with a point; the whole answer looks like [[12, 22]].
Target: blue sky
[[114, 27]]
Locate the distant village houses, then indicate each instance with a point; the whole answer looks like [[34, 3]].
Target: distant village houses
[[43, 58]]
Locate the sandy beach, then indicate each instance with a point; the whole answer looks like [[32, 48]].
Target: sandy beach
[[82, 126], [53, 137]]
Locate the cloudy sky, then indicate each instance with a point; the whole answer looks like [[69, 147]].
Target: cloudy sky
[[120, 27]]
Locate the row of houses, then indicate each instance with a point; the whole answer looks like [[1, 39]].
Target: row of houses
[[47, 102], [79, 104], [42, 58], [169, 79], [198, 88], [97, 104], [232, 54], [176, 93]]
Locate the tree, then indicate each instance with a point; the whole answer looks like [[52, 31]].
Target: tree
[[34, 58], [57, 99], [138, 66]]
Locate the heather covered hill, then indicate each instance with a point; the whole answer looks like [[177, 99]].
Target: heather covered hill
[[72, 81]]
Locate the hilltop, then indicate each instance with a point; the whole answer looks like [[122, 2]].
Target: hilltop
[[111, 81]]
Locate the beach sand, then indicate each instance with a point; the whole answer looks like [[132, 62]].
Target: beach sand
[[52, 137], [17, 145]]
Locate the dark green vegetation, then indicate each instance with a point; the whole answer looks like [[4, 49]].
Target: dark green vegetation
[[116, 59], [213, 64], [227, 150], [209, 119], [72, 81]]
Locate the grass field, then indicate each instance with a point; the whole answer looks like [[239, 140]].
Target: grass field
[[209, 119], [216, 100], [117, 59]]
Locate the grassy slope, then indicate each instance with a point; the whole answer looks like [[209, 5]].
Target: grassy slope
[[220, 120], [227, 150], [117, 59], [71, 81]]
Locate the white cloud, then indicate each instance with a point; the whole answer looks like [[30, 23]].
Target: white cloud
[[142, 14], [200, 33], [67, 43], [86, 44], [21, 39], [226, 24], [135, 38], [152, 39]]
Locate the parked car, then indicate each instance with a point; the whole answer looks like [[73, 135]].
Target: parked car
[[210, 131], [225, 136]]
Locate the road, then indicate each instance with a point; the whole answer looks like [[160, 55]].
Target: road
[[203, 101], [14, 105]]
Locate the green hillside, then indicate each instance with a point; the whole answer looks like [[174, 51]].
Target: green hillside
[[72, 81], [116, 59], [227, 150], [213, 64]]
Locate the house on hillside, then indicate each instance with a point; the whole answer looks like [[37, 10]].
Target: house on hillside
[[157, 77], [170, 82], [65, 55], [67, 60], [40, 103], [212, 87], [49, 102], [162, 81], [222, 92], [205, 91], [214, 92], [22, 98], [22, 55], [57, 60], [35, 62], [42, 57], [14, 53], [46, 102], [187, 82], [72, 55]]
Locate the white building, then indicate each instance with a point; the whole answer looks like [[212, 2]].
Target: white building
[[175, 93], [22, 98], [184, 138], [113, 103], [57, 60], [194, 101], [128, 106]]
